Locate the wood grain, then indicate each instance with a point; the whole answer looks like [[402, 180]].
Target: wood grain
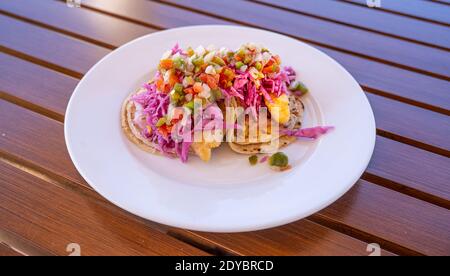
[[404, 121], [396, 83], [147, 13], [39, 141], [424, 126], [297, 239], [44, 158], [407, 172], [389, 215], [50, 48], [28, 82], [40, 151], [397, 222], [53, 218], [40, 187], [371, 45], [417, 9], [95, 27], [410, 170], [6, 251], [373, 20], [407, 86]]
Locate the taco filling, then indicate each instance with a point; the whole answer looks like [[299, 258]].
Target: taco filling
[[183, 109]]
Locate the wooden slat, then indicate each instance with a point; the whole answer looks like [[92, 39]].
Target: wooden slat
[[28, 144], [57, 49], [418, 164], [389, 215], [446, 2], [334, 242], [53, 218], [406, 54], [418, 172], [418, 227], [393, 117], [6, 251], [369, 19], [145, 12], [424, 126], [38, 143], [407, 86], [42, 87], [419, 9], [296, 239], [337, 223], [95, 27]]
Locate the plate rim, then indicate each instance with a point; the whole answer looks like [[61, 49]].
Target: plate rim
[[255, 226]]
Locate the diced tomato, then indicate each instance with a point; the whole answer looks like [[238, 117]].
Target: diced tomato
[[197, 87], [270, 62], [189, 90], [166, 64], [267, 69], [203, 77], [165, 130], [173, 79], [203, 66], [225, 77], [177, 115], [160, 83], [277, 59], [211, 81]]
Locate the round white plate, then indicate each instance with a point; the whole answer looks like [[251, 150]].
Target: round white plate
[[227, 194]]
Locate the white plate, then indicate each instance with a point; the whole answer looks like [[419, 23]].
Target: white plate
[[227, 194]]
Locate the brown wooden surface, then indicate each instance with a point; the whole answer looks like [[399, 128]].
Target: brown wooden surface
[[6, 251], [428, 10], [399, 56]]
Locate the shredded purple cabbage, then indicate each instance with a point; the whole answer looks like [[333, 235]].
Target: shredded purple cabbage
[[310, 133]]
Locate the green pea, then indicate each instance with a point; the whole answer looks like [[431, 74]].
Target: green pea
[[253, 160], [279, 159], [190, 105], [174, 97], [239, 64], [241, 53], [217, 94], [218, 60], [161, 121], [176, 94], [299, 86], [258, 66], [178, 63], [178, 87], [275, 68], [198, 61], [228, 72]]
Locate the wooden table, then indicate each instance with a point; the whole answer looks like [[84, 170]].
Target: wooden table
[[399, 53]]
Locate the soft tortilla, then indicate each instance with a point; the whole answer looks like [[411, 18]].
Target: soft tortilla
[[133, 131], [297, 109], [134, 134]]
